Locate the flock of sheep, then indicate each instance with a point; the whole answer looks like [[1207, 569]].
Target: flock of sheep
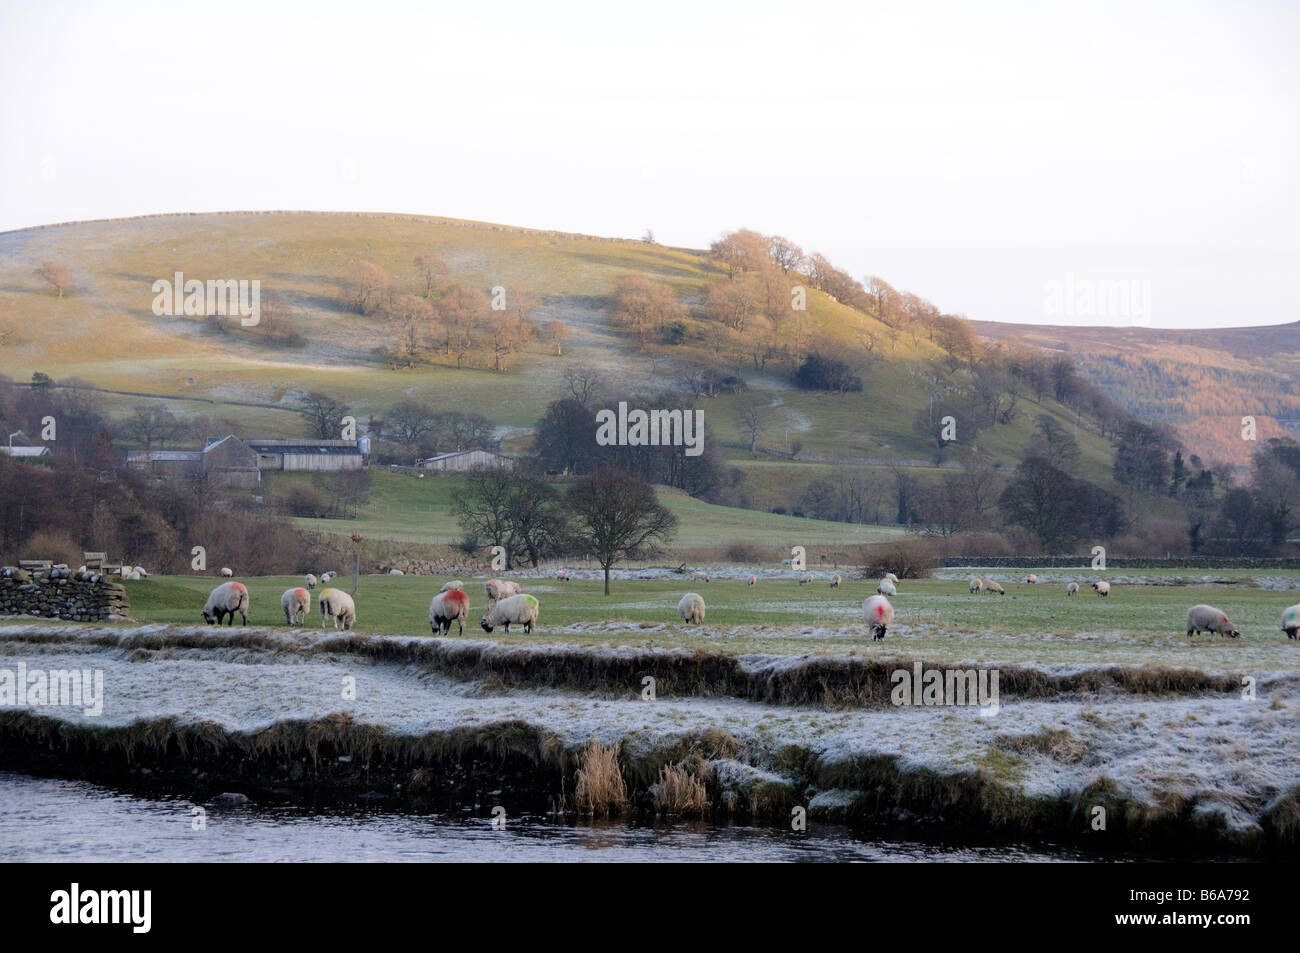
[[508, 603]]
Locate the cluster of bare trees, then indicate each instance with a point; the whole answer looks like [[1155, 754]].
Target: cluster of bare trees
[[444, 317]]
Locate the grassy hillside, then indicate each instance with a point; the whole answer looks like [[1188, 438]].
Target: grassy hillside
[[409, 509], [104, 332], [1202, 382]]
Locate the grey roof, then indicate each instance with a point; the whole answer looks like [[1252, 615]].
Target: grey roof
[[24, 451], [159, 456], [461, 453], [310, 448]]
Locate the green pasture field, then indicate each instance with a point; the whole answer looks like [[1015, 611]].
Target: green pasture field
[[935, 619]]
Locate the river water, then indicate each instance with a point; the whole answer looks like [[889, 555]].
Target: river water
[[45, 819]]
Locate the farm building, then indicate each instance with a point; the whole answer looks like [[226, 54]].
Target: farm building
[[303, 454], [461, 460], [238, 463], [227, 462], [166, 463], [26, 453]]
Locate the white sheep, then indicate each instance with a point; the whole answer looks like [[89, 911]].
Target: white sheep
[[396, 572], [226, 571], [520, 608], [1031, 579], [224, 601], [1072, 589], [563, 575], [448, 606], [991, 586], [879, 614], [1101, 588], [327, 576], [976, 585], [751, 580], [453, 584], [139, 569], [133, 575], [806, 580], [1291, 621], [691, 608], [886, 588], [337, 605], [311, 581], [700, 576], [835, 581], [892, 578], [1203, 618], [498, 589], [296, 603]]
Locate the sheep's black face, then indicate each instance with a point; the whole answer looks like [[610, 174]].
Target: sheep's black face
[[484, 623], [1235, 634]]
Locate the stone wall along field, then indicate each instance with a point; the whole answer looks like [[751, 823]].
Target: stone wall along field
[[60, 594]]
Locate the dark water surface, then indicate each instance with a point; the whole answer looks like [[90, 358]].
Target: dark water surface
[[44, 819]]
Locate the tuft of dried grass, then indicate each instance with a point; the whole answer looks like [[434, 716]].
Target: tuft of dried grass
[[600, 788], [678, 791]]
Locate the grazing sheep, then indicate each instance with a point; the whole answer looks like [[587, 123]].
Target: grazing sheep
[[976, 585], [1291, 621], [1031, 579], [337, 605], [700, 576], [327, 576], [140, 569], [691, 608], [878, 613], [806, 580], [892, 578], [226, 571], [752, 580], [454, 584], [448, 605], [886, 588], [396, 572], [991, 586], [224, 601], [563, 575], [132, 575], [835, 581], [519, 608], [1072, 589], [1203, 618], [296, 603], [1101, 588], [311, 581], [498, 589]]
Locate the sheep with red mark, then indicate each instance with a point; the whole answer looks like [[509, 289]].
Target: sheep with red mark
[[224, 601], [296, 603], [498, 589], [1203, 618], [879, 614], [450, 605]]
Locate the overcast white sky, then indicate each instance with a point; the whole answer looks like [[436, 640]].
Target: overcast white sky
[[972, 153]]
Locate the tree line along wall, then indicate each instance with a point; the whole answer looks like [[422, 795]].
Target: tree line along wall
[[71, 599]]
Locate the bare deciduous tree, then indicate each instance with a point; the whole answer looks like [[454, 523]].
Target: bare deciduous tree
[[57, 276]]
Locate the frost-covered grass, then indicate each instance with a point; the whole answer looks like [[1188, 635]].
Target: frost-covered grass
[[1228, 755], [1139, 623]]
